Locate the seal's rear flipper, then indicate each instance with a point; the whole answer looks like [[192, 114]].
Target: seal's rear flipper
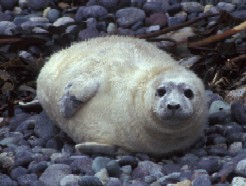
[[77, 93]]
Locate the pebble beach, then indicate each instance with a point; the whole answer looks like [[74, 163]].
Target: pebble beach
[[34, 152]]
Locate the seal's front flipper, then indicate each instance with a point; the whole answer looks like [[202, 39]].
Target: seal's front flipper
[[76, 93], [96, 148]]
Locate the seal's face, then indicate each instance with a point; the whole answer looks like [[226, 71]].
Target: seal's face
[[174, 102]]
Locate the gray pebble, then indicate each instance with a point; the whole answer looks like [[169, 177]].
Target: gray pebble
[[70, 179], [241, 168], [202, 180], [44, 127], [99, 163], [229, 7], [54, 173], [109, 4], [238, 111], [128, 160], [7, 28], [26, 179], [170, 168], [17, 172], [53, 15], [173, 21], [128, 16], [23, 158], [209, 164], [95, 11], [113, 169], [63, 21], [239, 14], [82, 164], [218, 106], [238, 181], [235, 147], [90, 181], [5, 180], [8, 4], [38, 5], [147, 168], [153, 28], [151, 7], [6, 160], [189, 159], [37, 167], [192, 7], [113, 182]]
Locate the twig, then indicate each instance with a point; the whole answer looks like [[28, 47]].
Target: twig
[[164, 31], [218, 37]]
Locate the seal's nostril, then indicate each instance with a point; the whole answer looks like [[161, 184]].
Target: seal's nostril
[[173, 106]]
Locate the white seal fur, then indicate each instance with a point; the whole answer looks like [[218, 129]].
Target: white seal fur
[[125, 92]]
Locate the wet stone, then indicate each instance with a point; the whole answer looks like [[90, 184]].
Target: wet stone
[[5, 180], [241, 168], [99, 163], [113, 169], [113, 182], [8, 4], [128, 160], [210, 165], [89, 181], [70, 180], [192, 7], [17, 172], [38, 5], [189, 159], [54, 173], [82, 164], [229, 7], [94, 11], [238, 111], [202, 180], [26, 179], [128, 16]]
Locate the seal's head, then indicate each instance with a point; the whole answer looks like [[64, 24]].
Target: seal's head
[[177, 99]]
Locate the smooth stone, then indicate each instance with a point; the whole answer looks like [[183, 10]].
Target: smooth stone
[[8, 4], [95, 11], [128, 16], [53, 15], [38, 5], [6, 180], [157, 19], [173, 21], [238, 111], [113, 169], [70, 179], [7, 28], [102, 175], [54, 173], [229, 7], [17, 172], [82, 164], [44, 127], [218, 106], [153, 28], [109, 4], [99, 163], [90, 181], [241, 168], [192, 7], [6, 160], [210, 165], [38, 167], [189, 159], [152, 7], [147, 168], [26, 179], [63, 21], [202, 180], [239, 14], [235, 148], [238, 181], [111, 28], [128, 160], [113, 182]]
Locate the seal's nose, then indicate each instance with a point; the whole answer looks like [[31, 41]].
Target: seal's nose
[[173, 106]]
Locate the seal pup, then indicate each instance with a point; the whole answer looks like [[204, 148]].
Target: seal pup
[[123, 91]]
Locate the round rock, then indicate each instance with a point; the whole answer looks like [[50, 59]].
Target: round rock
[[8, 4], [128, 16], [38, 5], [54, 173]]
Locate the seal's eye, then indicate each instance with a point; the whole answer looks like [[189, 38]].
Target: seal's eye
[[188, 93], [160, 92]]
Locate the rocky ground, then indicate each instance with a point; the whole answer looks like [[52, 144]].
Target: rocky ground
[[33, 151]]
